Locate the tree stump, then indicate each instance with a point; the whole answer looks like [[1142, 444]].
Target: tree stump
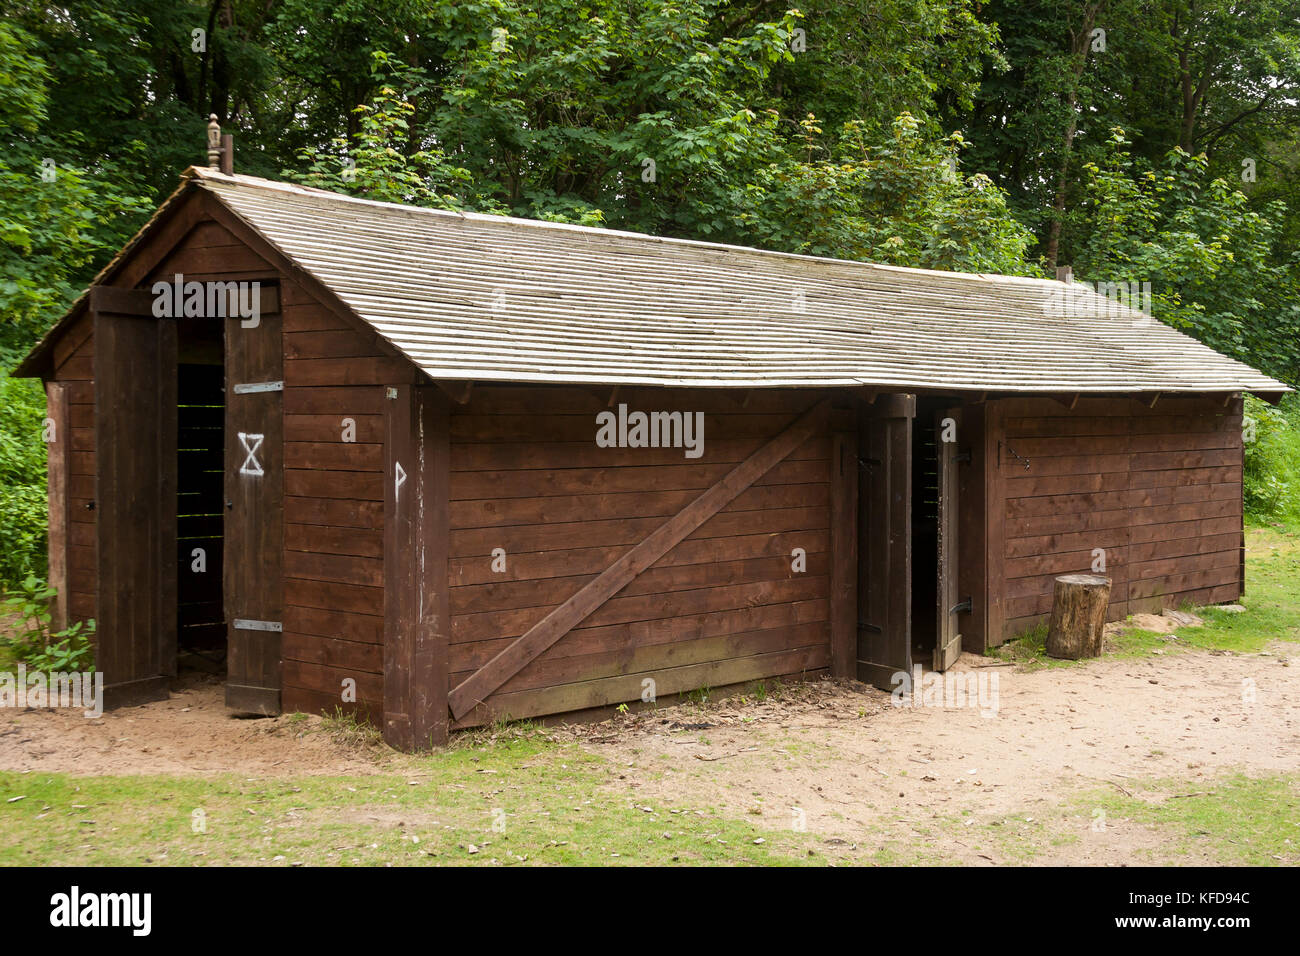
[[1078, 616]]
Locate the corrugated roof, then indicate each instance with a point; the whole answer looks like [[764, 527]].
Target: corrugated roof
[[489, 298]]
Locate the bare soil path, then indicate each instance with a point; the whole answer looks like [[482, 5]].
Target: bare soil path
[[883, 783]]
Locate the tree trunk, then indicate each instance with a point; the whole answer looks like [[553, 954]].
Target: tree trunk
[[1079, 43], [1078, 616]]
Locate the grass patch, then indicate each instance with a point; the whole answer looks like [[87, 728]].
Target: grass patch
[[1235, 819], [518, 801], [1272, 612]]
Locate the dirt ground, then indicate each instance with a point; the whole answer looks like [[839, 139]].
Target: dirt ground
[[838, 760]]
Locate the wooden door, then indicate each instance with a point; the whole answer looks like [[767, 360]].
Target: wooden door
[[885, 541], [252, 581], [135, 495], [947, 644]]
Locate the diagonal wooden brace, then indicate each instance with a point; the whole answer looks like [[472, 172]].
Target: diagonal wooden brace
[[478, 686]]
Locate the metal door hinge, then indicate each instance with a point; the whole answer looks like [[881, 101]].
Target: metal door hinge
[[243, 625]]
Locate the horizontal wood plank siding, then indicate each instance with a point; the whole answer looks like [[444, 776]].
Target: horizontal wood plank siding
[[1158, 489], [74, 366], [722, 606], [335, 377]]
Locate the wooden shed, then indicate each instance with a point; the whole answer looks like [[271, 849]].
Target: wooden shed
[[447, 468]]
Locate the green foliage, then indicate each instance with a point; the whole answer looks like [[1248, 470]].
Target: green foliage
[[1208, 255], [33, 641], [1272, 445], [22, 479], [895, 198], [373, 165]]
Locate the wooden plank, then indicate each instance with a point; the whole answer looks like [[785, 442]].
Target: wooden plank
[[72, 341], [627, 635], [995, 522], [135, 302], [617, 610], [341, 401], [948, 635], [333, 455], [560, 621], [663, 580], [610, 690], [349, 371], [328, 680], [417, 619], [323, 539], [503, 456], [366, 429], [973, 554], [344, 625], [642, 504], [341, 513], [584, 534], [884, 640], [844, 555], [619, 477], [648, 659], [583, 428], [332, 652], [535, 565], [130, 531], [253, 570], [333, 597], [341, 568], [353, 485], [58, 456], [334, 343]]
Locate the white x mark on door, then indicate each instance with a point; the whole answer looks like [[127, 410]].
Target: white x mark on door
[[251, 465]]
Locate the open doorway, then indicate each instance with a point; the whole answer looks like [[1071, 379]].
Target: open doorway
[[200, 512], [935, 458], [925, 529]]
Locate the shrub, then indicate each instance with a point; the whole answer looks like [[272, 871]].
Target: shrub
[[34, 642], [1272, 442], [22, 480]]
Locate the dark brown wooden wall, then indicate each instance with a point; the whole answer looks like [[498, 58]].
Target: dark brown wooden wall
[[1159, 488], [721, 607], [74, 365], [333, 507]]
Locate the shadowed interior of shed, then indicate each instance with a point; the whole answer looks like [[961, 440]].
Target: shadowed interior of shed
[[200, 502]]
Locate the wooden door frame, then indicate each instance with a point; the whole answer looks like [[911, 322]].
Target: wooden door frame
[[948, 538]]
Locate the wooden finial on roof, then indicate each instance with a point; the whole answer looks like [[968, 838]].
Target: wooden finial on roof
[[221, 147], [214, 141]]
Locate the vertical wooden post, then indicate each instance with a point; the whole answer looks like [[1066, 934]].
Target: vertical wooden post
[[844, 553], [416, 612], [995, 512], [58, 460], [972, 526], [1236, 411]]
